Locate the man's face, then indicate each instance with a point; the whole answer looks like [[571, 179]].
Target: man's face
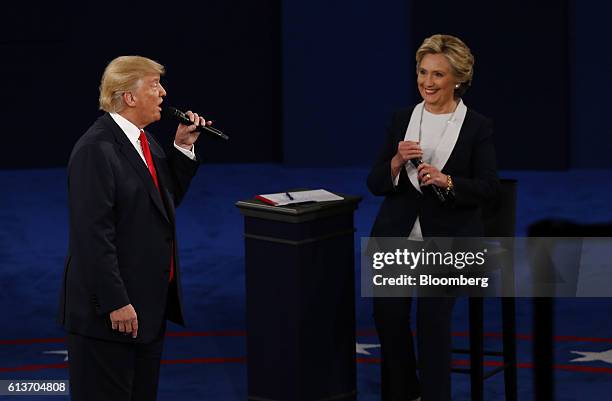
[[148, 97]]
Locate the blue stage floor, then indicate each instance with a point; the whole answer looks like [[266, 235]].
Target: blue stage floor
[[207, 360]]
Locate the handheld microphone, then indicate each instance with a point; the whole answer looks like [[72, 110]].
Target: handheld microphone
[[182, 118], [436, 190]]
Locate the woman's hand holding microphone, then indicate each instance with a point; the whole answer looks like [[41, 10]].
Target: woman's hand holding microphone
[[428, 174], [406, 150]]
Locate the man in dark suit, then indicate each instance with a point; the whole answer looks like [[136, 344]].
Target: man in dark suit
[[122, 277]]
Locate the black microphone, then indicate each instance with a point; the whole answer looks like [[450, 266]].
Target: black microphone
[[436, 190], [172, 112]]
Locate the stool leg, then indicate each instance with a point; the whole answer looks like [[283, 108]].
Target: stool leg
[[476, 348], [543, 331], [509, 335]]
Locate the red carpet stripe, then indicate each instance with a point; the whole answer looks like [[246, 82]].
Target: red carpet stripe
[[458, 362], [207, 334], [204, 360], [29, 368], [520, 365], [528, 365], [26, 341], [359, 333]]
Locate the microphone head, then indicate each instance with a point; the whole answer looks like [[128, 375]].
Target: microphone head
[[173, 113], [170, 112]]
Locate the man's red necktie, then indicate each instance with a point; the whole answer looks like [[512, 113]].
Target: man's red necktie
[[144, 144]]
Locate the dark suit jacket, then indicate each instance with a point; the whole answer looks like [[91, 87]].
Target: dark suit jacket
[[473, 169], [121, 234]]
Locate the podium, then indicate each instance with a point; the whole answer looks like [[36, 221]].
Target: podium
[[300, 295]]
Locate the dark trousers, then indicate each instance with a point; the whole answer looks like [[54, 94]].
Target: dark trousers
[[113, 371], [399, 380]]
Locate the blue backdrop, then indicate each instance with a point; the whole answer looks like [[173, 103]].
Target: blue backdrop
[[312, 83]]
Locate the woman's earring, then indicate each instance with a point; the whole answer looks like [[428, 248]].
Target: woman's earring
[[457, 86]]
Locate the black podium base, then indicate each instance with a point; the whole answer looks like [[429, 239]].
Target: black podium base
[[300, 301]]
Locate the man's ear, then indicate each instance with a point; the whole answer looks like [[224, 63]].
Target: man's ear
[[129, 99]]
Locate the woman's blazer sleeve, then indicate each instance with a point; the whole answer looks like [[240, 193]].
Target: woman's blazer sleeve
[[380, 181], [483, 185]]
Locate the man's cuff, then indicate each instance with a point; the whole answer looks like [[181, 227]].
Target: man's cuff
[[189, 153]]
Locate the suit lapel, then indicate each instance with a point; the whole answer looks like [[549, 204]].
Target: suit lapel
[[131, 155], [412, 134], [161, 178], [449, 139], [445, 147]]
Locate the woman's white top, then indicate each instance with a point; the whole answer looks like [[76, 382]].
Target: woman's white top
[[438, 135]]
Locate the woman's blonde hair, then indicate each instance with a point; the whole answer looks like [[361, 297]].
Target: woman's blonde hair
[[456, 52], [121, 75]]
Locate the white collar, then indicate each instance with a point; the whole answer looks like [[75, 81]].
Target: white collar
[[132, 131], [446, 145]]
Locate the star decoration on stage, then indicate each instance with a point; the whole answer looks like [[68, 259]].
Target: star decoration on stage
[[59, 352], [604, 356], [363, 348]]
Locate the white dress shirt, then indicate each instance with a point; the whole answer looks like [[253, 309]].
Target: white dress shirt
[[133, 134]]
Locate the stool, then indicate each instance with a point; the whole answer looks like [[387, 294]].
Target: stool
[[499, 221]]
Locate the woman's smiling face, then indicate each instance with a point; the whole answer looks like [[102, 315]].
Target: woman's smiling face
[[436, 82]]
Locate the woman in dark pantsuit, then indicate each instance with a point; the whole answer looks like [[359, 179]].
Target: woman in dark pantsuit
[[456, 147]]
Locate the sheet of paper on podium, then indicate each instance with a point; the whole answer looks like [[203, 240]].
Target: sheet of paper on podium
[[288, 198]]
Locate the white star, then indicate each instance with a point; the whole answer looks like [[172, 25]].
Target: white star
[[59, 352], [604, 356], [362, 348]]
